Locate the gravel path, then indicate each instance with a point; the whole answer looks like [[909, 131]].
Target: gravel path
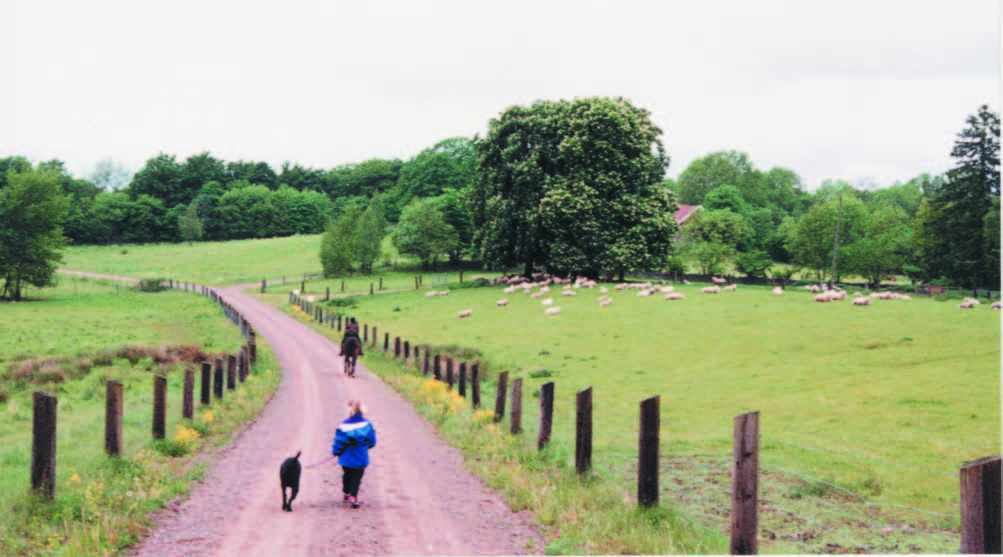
[[418, 498]]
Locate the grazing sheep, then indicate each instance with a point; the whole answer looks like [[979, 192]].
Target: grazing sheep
[[967, 304], [622, 286], [444, 293], [858, 294], [464, 313], [509, 289], [548, 301], [604, 290], [815, 289], [643, 293], [538, 294], [711, 289], [430, 294], [996, 305], [674, 296], [824, 297], [666, 289], [864, 301], [837, 294], [569, 293], [973, 301], [731, 287], [604, 303], [777, 291], [545, 289], [553, 311], [719, 280], [502, 303]]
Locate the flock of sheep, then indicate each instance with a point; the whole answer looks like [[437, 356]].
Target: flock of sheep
[[644, 289]]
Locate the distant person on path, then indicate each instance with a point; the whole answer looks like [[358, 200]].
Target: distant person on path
[[352, 441], [351, 331]]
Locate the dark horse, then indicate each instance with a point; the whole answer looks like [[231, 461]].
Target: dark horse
[[351, 350]]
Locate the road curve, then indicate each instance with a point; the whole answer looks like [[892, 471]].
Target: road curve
[[418, 498]]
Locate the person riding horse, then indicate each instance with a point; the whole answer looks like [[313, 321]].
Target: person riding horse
[[351, 331]]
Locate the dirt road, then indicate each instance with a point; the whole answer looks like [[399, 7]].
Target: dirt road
[[418, 499]]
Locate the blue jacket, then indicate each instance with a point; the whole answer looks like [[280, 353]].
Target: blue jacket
[[352, 441]]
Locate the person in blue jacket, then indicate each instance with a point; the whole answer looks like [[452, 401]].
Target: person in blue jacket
[[352, 441]]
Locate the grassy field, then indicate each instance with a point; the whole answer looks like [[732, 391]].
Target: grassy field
[[69, 341], [867, 413]]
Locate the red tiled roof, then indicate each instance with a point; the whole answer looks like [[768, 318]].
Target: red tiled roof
[[685, 211]]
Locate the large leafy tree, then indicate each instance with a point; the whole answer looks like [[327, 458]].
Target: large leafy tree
[[32, 210], [196, 172], [110, 175], [450, 164], [812, 240], [190, 225], [369, 234], [160, 177], [885, 245], [336, 245], [712, 238], [254, 172], [722, 168], [953, 225], [575, 186], [423, 232]]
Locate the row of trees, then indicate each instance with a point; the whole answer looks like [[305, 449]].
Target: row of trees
[[569, 186], [942, 229]]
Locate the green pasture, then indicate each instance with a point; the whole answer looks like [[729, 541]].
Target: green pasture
[[69, 341], [212, 263], [884, 403]]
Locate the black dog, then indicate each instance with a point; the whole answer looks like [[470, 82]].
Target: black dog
[[289, 474]]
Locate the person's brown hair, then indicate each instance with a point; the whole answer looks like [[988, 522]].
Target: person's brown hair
[[355, 407]]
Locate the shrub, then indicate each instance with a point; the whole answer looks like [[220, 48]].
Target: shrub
[[151, 285]]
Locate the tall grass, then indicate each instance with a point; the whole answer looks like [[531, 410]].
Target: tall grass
[[867, 413], [88, 333]]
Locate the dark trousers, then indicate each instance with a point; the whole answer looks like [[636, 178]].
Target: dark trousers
[[351, 479]]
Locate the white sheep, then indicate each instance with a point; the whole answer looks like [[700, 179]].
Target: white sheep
[[553, 311], [996, 305], [711, 289], [777, 291], [538, 294], [862, 301], [569, 293], [545, 289], [814, 289], [823, 297], [621, 286], [431, 294], [643, 293], [604, 303], [502, 302], [509, 289], [719, 280], [967, 304], [444, 293], [674, 296], [731, 287], [547, 302], [464, 313], [604, 290]]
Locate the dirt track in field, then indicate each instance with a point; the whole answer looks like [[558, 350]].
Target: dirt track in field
[[418, 498]]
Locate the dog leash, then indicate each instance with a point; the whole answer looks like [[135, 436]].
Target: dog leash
[[316, 464]]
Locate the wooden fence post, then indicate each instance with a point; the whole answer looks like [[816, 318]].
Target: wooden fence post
[[583, 430], [231, 372], [980, 506], [381, 283], [745, 485], [365, 333], [437, 369], [475, 385], [252, 346], [242, 364], [188, 395], [449, 372], [217, 378], [343, 286], [500, 396], [43, 443], [386, 342], [397, 347], [263, 283], [327, 293], [113, 418], [339, 322], [647, 465], [516, 413], [407, 350], [303, 286], [159, 406], [375, 336], [206, 382], [370, 288], [463, 379], [425, 368], [416, 283], [546, 414]]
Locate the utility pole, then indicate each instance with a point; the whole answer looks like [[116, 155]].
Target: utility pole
[[835, 245]]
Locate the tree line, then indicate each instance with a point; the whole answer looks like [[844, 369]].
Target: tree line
[[571, 187]]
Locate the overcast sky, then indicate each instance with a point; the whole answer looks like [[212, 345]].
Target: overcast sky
[[866, 91]]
